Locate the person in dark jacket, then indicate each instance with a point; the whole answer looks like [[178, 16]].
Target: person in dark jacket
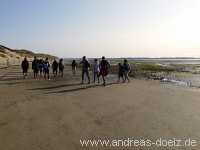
[[127, 69], [55, 67], [120, 72], [61, 67], [35, 67], [46, 69], [25, 67], [85, 69], [74, 66]]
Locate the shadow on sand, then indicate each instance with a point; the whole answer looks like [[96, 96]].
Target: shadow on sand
[[56, 87], [10, 79], [12, 83], [84, 87]]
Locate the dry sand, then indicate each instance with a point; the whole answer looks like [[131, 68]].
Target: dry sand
[[56, 114]]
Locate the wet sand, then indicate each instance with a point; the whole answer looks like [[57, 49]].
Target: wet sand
[[56, 114]]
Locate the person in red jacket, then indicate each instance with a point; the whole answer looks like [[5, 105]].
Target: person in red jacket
[[104, 69]]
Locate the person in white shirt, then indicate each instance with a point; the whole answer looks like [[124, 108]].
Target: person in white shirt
[[96, 70]]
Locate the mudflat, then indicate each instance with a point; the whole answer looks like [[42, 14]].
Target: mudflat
[[57, 114]]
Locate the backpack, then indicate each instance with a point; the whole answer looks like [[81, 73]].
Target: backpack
[[46, 65], [126, 67]]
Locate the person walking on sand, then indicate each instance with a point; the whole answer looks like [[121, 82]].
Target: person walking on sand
[[46, 69], [25, 66], [55, 68], [74, 66], [85, 69], [35, 67], [127, 69], [41, 66], [120, 72], [96, 70], [104, 68], [61, 67]]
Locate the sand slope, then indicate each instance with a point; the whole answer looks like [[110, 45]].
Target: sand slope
[[55, 115], [10, 56]]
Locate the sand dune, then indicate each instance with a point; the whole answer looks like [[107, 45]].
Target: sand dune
[[10, 56], [56, 114]]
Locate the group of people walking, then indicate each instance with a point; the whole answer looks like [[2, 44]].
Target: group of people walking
[[41, 68], [124, 70], [101, 69]]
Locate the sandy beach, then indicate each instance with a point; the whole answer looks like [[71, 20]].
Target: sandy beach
[[57, 114]]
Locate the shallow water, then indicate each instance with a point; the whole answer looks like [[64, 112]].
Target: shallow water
[[183, 79], [190, 78], [168, 61]]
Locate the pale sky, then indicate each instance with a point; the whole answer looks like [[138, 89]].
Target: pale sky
[[114, 28]]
